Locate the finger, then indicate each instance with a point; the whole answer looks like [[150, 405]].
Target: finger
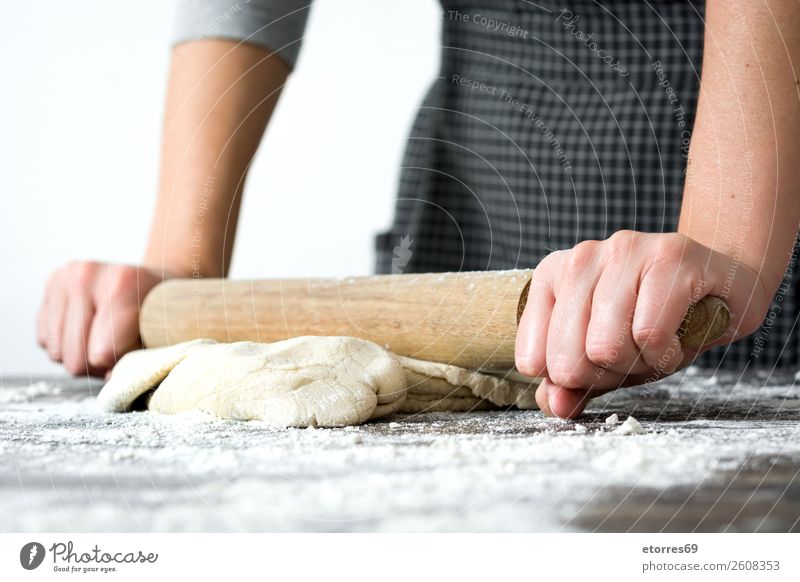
[[567, 363], [41, 318], [77, 322], [664, 297], [114, 332], [565, 402], [530, 349], [55, 307], [609, 335], [568, 403], [543, 397]]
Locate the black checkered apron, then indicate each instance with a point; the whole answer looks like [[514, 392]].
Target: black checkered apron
[[550, 124]]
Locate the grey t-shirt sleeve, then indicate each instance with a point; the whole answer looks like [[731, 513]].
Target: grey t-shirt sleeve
[[276, 25]]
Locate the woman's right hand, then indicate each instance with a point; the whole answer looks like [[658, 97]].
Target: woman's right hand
[[89, 316]]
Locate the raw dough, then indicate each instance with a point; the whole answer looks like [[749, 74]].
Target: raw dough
[[305, 381], [417, 403], [431, 394], [139, 372], [499, 390]]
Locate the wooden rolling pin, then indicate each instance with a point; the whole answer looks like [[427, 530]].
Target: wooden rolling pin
[[467, 319]]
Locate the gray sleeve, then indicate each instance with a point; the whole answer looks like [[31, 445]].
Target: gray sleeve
[[276, 25]]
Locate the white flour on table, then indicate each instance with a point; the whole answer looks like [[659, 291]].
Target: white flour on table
[[68, 466]]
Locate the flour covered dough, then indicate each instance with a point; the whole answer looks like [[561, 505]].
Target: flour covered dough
[[305, 381], [510, 389], [138, 372], [431, 394]]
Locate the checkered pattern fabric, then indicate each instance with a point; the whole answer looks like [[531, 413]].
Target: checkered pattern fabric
[[549, 125]]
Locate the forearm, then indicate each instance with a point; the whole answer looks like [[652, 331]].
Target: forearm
[[220, 97], [741, 193]]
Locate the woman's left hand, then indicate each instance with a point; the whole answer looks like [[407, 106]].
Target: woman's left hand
[[604, 314]]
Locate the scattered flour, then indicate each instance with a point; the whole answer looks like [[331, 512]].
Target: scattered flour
[[630, 426], [71, 467], [12, 394]]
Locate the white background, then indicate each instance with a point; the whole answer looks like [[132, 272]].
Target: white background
[[80, 114]]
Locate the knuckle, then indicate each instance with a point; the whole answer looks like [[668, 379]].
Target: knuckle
[[587, 248], [121, 280], [695, 284], [582, 256], [623, 238], [671, 250], [529, 364], [548, 263], [53, 281], [78, 267], [603, 350], [652, 337], [620, 245], [80, 275], [565, 374]]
